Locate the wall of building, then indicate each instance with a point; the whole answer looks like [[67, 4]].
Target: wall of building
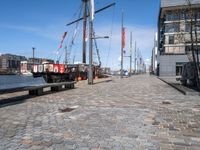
[[170, 3], [168, 64]]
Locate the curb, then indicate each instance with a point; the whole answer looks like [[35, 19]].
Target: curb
[[175, 87]]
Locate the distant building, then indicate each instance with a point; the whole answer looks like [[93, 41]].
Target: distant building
[[10, 63], [174, 40]]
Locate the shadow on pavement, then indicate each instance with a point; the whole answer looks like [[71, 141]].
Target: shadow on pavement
[[103, 81], [4, 102]]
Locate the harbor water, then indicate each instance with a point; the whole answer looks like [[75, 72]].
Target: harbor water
[[13, 81]]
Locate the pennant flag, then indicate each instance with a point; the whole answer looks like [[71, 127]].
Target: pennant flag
[[123, 37], [92, 9], [63, 37]]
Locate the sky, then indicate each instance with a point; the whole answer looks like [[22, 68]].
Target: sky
[[41, 23]]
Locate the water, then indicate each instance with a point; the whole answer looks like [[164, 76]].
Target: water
[[12, 81]]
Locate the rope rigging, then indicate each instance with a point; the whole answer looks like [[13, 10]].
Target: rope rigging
[[111, 34], [74, 36], [110, 40], [66, 49]]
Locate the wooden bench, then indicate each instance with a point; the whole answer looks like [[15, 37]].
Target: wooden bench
[[38, 89]]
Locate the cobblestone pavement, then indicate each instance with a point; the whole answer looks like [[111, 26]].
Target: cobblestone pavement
[[136, 113]]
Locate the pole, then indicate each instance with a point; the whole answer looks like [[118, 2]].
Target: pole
[[138, 67], [90, 72], [33, 55], [131, 54], [135, 57], [122, 45], [84, 31]]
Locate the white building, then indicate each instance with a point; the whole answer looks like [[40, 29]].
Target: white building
[[174, 40]]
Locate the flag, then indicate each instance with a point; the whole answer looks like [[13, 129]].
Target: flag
[[92, 9], [123, 37], [63, 37]]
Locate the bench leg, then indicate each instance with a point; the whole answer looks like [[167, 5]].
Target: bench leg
[[36, 92], [39, 91], [69, 86], [56, 88], [32, 92], [72, 86]]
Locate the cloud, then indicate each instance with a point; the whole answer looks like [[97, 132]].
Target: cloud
[[51, 31]]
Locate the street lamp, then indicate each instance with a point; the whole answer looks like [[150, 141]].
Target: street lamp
[[90, 72], [101, 37], [33, 48]]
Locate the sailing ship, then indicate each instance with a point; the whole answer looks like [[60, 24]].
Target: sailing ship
[[70, 72]]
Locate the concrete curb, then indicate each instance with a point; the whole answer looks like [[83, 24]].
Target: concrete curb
[[175, 87], [184, 90]]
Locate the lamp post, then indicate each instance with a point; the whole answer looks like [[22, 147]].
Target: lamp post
[[90, 72], [33, 48]]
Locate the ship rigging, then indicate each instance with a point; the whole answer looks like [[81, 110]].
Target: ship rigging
[[70, 71]]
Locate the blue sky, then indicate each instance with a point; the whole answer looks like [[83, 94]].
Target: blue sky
[[41, 23]]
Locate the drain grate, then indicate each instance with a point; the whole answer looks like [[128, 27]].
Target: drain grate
[[166, 102], [66, 110], [155, 123]]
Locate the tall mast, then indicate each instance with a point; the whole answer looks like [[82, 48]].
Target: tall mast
[[84, 30], [90, 72], [130, 53], [135, 55], [84, 18], [66, 55]]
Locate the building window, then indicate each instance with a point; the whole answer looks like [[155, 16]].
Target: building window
[[198, 15], [171, 16], [182, 15], [196, 48], [171, 39], [194, 27], [179, 69], [187, 27], [172, 27]]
